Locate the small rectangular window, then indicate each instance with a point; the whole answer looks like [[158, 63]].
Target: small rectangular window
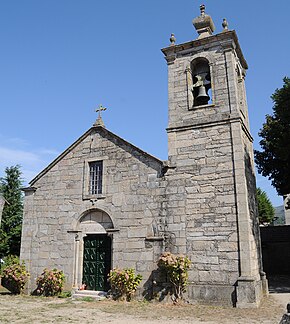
[[96, 177]]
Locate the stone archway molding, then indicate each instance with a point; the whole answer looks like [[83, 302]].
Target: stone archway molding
[[91, 221], [94, 221]]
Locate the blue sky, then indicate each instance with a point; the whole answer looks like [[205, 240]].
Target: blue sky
[[60, 59]]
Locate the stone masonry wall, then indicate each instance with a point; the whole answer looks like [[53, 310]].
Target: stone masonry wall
[[205, 172], [131, 198]]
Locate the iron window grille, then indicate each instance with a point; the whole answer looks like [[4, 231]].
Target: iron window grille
[[96, 177]]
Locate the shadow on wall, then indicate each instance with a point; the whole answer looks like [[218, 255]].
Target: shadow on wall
[[156, 287], [252, 201]]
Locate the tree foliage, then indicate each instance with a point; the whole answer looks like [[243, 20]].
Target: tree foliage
[[11, 223], [274, 159], [265, 208]]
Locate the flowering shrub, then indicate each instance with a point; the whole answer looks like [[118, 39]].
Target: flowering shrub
[[124, 283], [176, 268], [14, 275], [8, 261], [50, 282]]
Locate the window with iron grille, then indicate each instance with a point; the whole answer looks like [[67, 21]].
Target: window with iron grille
[[96, 177]]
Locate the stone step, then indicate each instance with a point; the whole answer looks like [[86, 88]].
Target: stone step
[[97, 295]]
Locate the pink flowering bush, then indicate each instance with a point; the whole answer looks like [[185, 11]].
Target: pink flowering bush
[[124, 283], [14, 276], [176, 268], [50, 282]]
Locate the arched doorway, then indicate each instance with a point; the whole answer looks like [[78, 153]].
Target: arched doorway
[[96, 249]]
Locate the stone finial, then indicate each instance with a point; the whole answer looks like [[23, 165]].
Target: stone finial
[[203, 24], [99, 121], [202, 10], [225, 25], [172, 39]]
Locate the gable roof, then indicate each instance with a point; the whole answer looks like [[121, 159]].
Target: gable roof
[[132, 149]]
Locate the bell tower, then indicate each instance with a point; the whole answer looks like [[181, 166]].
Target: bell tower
[[211, 207]]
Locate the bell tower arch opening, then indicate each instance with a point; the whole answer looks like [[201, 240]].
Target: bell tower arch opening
[[201, 81]]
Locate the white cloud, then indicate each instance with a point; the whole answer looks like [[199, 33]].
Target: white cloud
[[15, 156], [31, 162], [49, 152], [13, 141]]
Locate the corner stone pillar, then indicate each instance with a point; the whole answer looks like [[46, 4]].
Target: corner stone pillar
[[249, 284]]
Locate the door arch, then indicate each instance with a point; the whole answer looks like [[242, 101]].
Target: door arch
[[95, 221], [94, 248]]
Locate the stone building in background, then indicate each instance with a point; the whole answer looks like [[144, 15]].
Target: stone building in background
[[2, 203], [286, 201], [104, 203]]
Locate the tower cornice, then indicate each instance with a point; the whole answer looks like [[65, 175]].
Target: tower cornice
[[228, 40]]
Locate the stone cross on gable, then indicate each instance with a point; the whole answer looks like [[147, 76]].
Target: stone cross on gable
[[100, 109], [99, 121]]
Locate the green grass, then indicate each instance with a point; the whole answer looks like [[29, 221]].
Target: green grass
[[64, 294], [87, 299]]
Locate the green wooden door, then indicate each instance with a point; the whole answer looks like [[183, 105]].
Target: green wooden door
[[97, 262]]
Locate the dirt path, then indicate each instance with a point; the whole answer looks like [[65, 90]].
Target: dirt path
[[26, 309]]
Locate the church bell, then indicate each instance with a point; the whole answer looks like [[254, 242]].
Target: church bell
[[202, 98]]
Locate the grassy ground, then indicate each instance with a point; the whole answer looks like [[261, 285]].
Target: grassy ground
[[28, 309]]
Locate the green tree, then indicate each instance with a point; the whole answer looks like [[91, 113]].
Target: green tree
[[274, 159], [11, 223], [265, 208]]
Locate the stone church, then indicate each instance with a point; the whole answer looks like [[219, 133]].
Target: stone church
[[105, 203]]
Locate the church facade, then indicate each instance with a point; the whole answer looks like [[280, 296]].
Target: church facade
[[104, 203]]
